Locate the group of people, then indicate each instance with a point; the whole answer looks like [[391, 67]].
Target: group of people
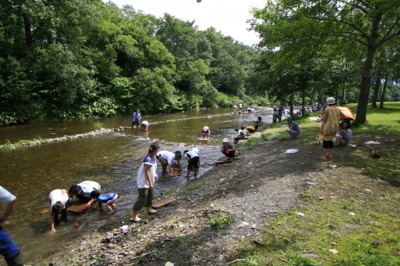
[[235, 107], [136, 116], [277, 114], [334, 129], [147, 175], [83, 194]]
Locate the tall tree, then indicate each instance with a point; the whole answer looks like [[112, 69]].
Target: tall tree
[[371, 23]]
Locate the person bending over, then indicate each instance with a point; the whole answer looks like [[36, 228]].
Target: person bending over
[[86, 191], [193, 159], [59, 202], [169, 160]]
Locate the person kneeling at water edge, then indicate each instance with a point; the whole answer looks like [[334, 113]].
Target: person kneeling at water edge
[[86, 191], [59, 200], [229, 150], [193, 159], [108, 200], [169, 159], [146, 176]]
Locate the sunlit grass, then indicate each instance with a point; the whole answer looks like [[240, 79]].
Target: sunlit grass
[[346, 221]]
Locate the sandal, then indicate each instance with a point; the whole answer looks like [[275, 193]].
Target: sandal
[[135, 220], [152, 211]]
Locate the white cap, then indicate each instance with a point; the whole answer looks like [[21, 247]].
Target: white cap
[[330, 100], [225, 140]]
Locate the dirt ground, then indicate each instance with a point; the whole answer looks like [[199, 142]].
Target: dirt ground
[[215, 216]]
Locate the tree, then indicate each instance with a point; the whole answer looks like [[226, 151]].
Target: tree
[[370, 23]]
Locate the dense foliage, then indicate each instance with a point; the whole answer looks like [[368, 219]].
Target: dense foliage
[[63, 59], [82, 58]]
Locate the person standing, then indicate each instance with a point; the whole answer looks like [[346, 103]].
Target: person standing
[[145, 178], [8, 248], [136, 118], [329, 127], [58, 199], [280, 113]]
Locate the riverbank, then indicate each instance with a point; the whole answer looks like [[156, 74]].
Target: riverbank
[[263, 208]]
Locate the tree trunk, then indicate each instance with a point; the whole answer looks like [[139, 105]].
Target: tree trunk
[[28, 36], [383, 92], [291, 102], [376, 91], [303, 101], [361, 117]]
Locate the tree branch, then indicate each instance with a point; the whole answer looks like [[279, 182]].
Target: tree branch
[[388, 35]]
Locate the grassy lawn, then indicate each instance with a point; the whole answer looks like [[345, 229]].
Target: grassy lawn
[[351, 220]]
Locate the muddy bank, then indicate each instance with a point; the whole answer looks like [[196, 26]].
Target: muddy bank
[[212, 216]]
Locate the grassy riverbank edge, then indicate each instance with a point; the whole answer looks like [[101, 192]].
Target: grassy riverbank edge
[[340, 220]]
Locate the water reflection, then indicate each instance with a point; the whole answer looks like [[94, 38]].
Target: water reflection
[[112, 160]]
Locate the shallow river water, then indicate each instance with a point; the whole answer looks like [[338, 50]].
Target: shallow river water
[[111, 159]]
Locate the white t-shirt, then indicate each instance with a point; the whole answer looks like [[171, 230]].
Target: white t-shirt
[[89, 186], [167, 155], [191, 154], [58, 195], [141, 176], [145, 123], [5, 196]]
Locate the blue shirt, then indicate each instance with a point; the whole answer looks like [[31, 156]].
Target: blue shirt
[[107, 197], [294, 126]]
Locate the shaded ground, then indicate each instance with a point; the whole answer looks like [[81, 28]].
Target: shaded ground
[[215, 214]]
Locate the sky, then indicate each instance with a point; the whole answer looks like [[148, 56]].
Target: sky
[[227, 16]]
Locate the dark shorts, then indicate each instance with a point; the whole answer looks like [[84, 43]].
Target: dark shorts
[[230, 154], [194, 163], [327, 144]]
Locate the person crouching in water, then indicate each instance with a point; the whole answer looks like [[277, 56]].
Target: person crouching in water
[[145, 125], [229, 150], [108, 200], [86, 191], [59, 200], [193, 159], [293, 128], [146, 177]]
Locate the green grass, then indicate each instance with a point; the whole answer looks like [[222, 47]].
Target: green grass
[[347, 221]]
